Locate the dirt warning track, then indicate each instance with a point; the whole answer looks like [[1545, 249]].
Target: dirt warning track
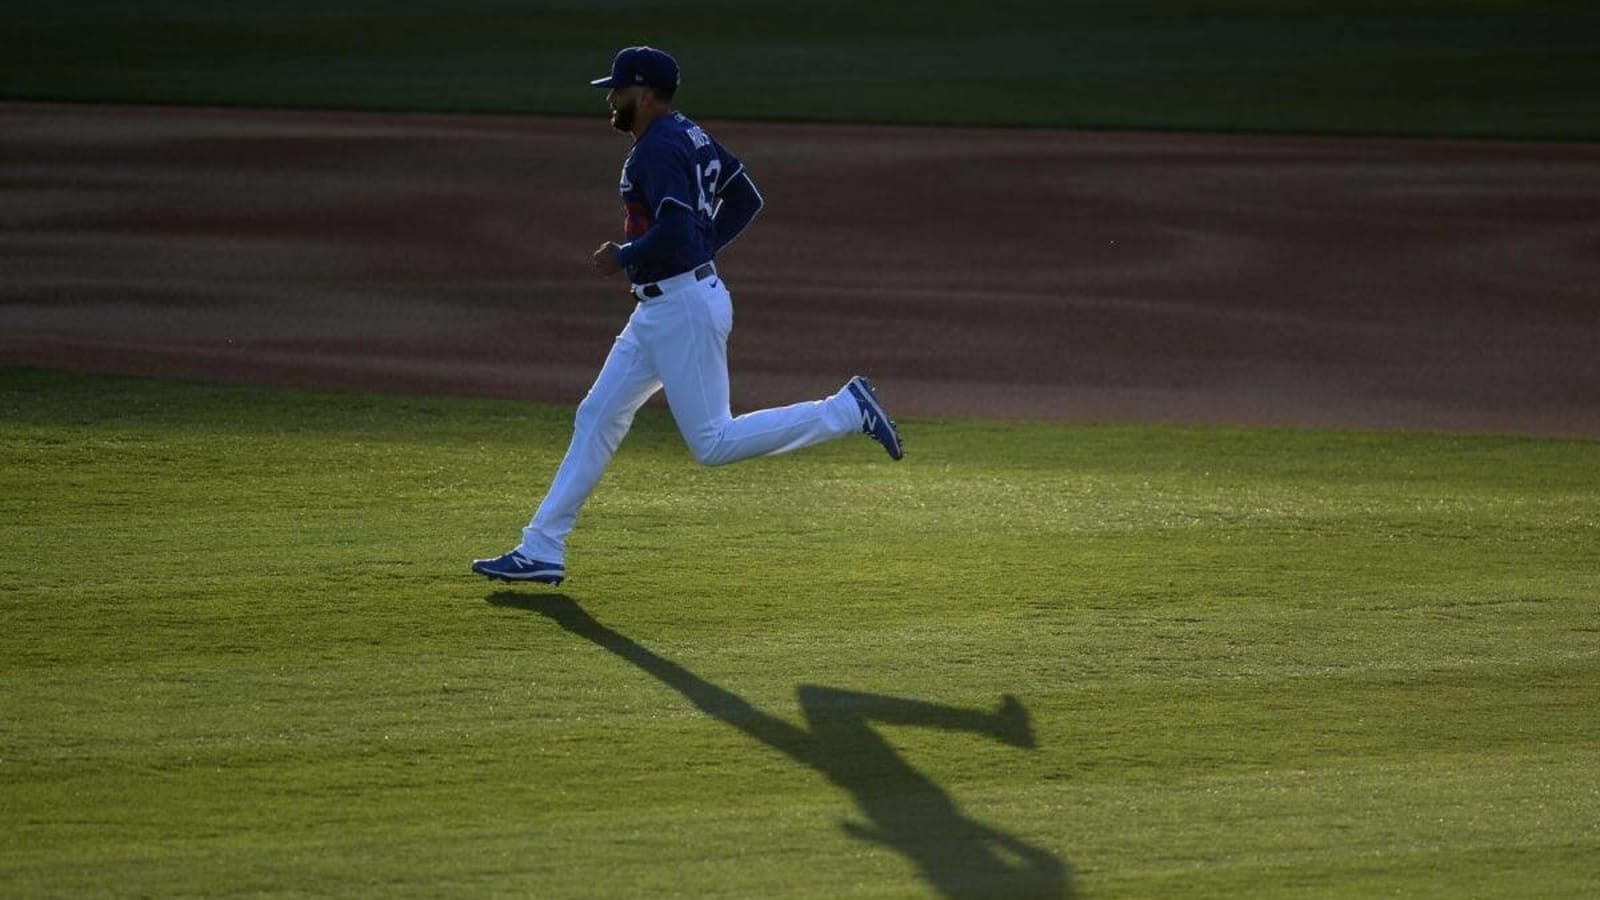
[[1092, 276]]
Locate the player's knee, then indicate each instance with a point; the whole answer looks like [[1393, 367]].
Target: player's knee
[[589, 413], [711, 455], [593, 422], [712, 450]]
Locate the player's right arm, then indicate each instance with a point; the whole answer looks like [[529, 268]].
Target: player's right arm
[[736, 206]]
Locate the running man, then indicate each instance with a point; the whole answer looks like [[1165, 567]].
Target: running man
[[686, 198]]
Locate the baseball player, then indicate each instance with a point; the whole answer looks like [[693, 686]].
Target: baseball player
[[686, 199]]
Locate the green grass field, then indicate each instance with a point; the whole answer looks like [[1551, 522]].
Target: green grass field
[[1501, 68], [242, 655]]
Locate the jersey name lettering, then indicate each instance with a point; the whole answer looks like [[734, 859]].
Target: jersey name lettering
[[675, 163]]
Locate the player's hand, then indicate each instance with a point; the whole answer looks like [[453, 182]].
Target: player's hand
[[605, 259]]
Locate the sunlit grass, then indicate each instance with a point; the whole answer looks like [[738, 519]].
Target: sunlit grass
[[242, 654]]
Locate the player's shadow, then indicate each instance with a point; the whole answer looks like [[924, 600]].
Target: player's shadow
[[905, 810]]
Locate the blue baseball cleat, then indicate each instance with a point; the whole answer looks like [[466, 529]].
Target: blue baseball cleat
[[515, 567], [874, 420]]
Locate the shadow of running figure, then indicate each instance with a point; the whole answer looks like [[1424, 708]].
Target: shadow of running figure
[[906, 810]]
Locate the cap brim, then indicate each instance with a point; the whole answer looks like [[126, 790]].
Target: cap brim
[[606, 82]]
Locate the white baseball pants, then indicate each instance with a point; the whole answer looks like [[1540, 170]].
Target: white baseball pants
[[678, 341]]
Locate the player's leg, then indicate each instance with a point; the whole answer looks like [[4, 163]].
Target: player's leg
[[625, 382], [686, 335]]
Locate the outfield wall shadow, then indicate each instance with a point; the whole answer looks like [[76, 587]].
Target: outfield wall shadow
[[905, 810]]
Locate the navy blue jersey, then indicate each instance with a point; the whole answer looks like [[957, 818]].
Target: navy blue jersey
[[675, 161]]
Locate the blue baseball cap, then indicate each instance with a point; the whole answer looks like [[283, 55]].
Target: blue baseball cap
[[641, 65]]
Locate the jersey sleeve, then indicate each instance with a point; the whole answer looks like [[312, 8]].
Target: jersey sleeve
[[729, 164], [664, 178], [736, 206]]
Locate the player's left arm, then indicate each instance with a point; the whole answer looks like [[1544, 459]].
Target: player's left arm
[[671, 230], [668, 192]]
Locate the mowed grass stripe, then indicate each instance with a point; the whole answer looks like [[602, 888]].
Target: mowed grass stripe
[[1488, 68], [242, 655]]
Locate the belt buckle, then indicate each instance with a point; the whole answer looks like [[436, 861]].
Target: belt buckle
[[653, 289]]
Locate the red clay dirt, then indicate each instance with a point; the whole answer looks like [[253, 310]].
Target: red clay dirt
[[1090, 276]]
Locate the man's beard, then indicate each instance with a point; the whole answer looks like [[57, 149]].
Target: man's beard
[[622, 118]]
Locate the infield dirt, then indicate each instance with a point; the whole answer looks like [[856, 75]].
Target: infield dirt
[[1093, 276]]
